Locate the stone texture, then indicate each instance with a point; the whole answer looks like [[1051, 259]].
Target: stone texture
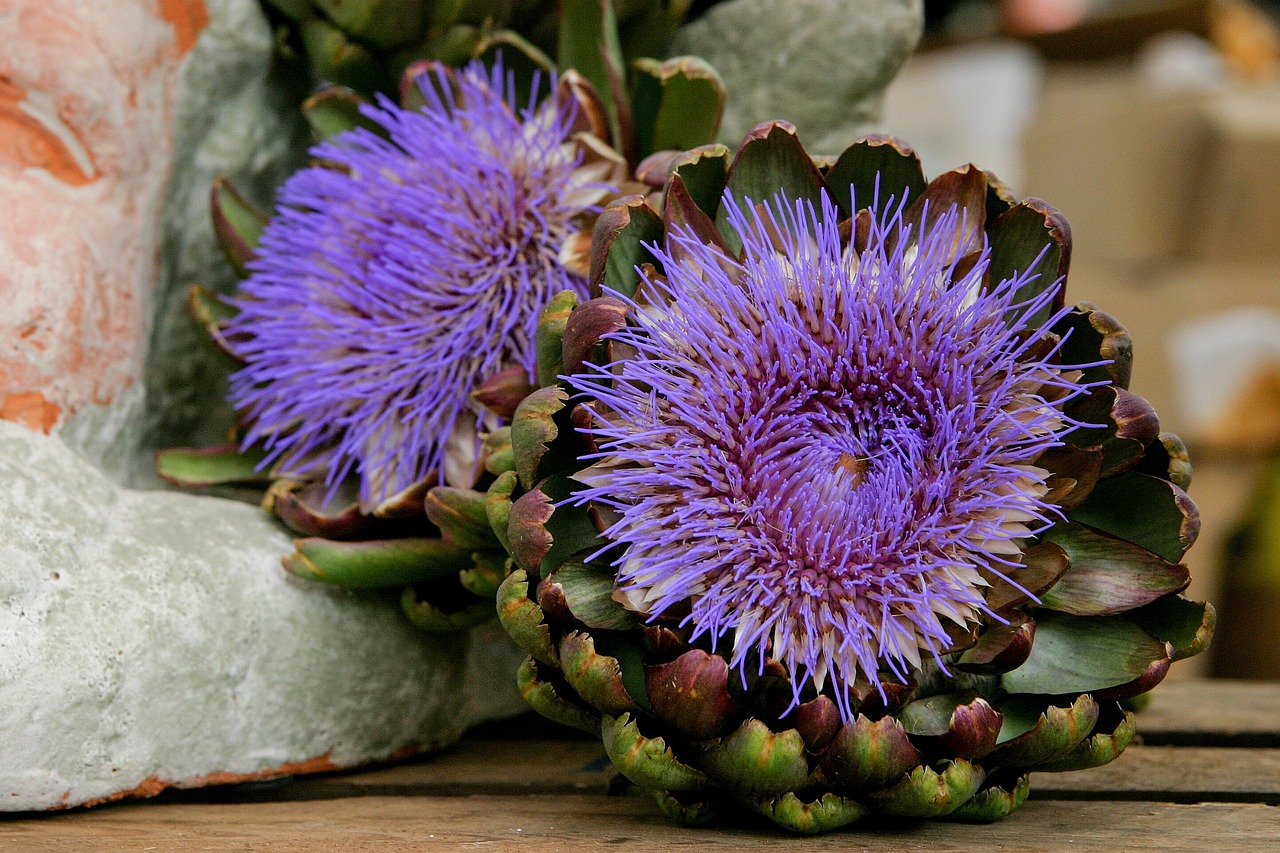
[[821, 64], [153, 639], [150, 639], [236, 115]]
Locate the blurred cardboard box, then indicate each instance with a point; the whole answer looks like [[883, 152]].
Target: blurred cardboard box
[[1163, 306], [1120, 160], [1238, 215], [1153, 177]]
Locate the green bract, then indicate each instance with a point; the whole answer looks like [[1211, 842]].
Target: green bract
[[366, 45], [1037, 681]]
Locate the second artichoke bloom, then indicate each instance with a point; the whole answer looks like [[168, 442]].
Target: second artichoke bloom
[[837, 507], [406, 267], [825, 453]]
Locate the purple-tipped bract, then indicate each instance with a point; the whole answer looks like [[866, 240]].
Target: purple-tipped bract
[[818, 455]]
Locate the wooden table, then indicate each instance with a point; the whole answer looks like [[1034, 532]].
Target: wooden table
[[1206, 778]]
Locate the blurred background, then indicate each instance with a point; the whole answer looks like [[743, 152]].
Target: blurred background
[[1154, 125]]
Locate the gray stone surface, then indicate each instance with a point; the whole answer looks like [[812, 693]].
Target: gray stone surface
[[151, 638], [821, 64], [235, 115]]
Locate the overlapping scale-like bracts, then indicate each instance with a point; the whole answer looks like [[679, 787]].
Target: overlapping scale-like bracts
[[1041, 682]]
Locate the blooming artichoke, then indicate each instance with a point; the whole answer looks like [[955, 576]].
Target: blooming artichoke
[[405, 268], [834, 506]]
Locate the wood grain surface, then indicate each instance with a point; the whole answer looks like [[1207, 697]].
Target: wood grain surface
[[544, 790]]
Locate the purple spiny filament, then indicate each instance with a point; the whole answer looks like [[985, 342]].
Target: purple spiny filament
[[818, 456], [400, 274]]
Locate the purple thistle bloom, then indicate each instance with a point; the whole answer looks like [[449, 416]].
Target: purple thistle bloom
[[399, 275], [818, 456]]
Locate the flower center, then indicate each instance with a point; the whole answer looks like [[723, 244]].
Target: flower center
[[817, 458]]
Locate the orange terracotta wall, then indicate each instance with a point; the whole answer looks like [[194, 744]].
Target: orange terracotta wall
[[86, 92]]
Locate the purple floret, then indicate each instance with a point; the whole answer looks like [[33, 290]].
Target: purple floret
[[387, 288], [818, 456]]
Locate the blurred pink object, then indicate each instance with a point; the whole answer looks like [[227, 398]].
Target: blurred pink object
[[1029, 17]]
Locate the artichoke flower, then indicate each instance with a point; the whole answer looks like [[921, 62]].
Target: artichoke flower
[[385, 328], [404, 267], [834, 506]]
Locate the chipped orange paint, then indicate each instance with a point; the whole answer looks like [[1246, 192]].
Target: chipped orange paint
[[189, 18], [86, 138], [25, 141], [31, 410], [153, 785]]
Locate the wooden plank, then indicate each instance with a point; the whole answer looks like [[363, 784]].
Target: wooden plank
[[578, 822], [544, 767], [1162, 773], [1213, 713], [1173, 774]]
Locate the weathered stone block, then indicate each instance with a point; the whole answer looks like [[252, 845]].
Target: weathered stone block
[[152, 639], [821, 64]]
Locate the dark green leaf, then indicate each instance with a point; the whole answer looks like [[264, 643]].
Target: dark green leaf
[[963, 190], [1186, 625], [589, 43], [771, 161], [334, 110], [1108, 575], [930, 717], [648, 762], [1167, 458], [625, 649], [677, 104], [497, 506], [927, 793], [370, 565], [381, 23], [758, 762], [588, 591], [427, 615], [828, 812], [491, 568], [570, 526], [534, 428], [340, 60], [1075, 654], [704, 171], [549, 336], [315, 509], [1123, 425], [1147, 511], [1031, 238], [999, 197], [876, 160], [460, 515], [543, 697], [236, 223], [212, 466], [1089, 335], [1053, 731], [522, 619], [619, 242]]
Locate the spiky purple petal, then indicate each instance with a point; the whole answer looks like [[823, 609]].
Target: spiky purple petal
[[400, 274], [818, 454]]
